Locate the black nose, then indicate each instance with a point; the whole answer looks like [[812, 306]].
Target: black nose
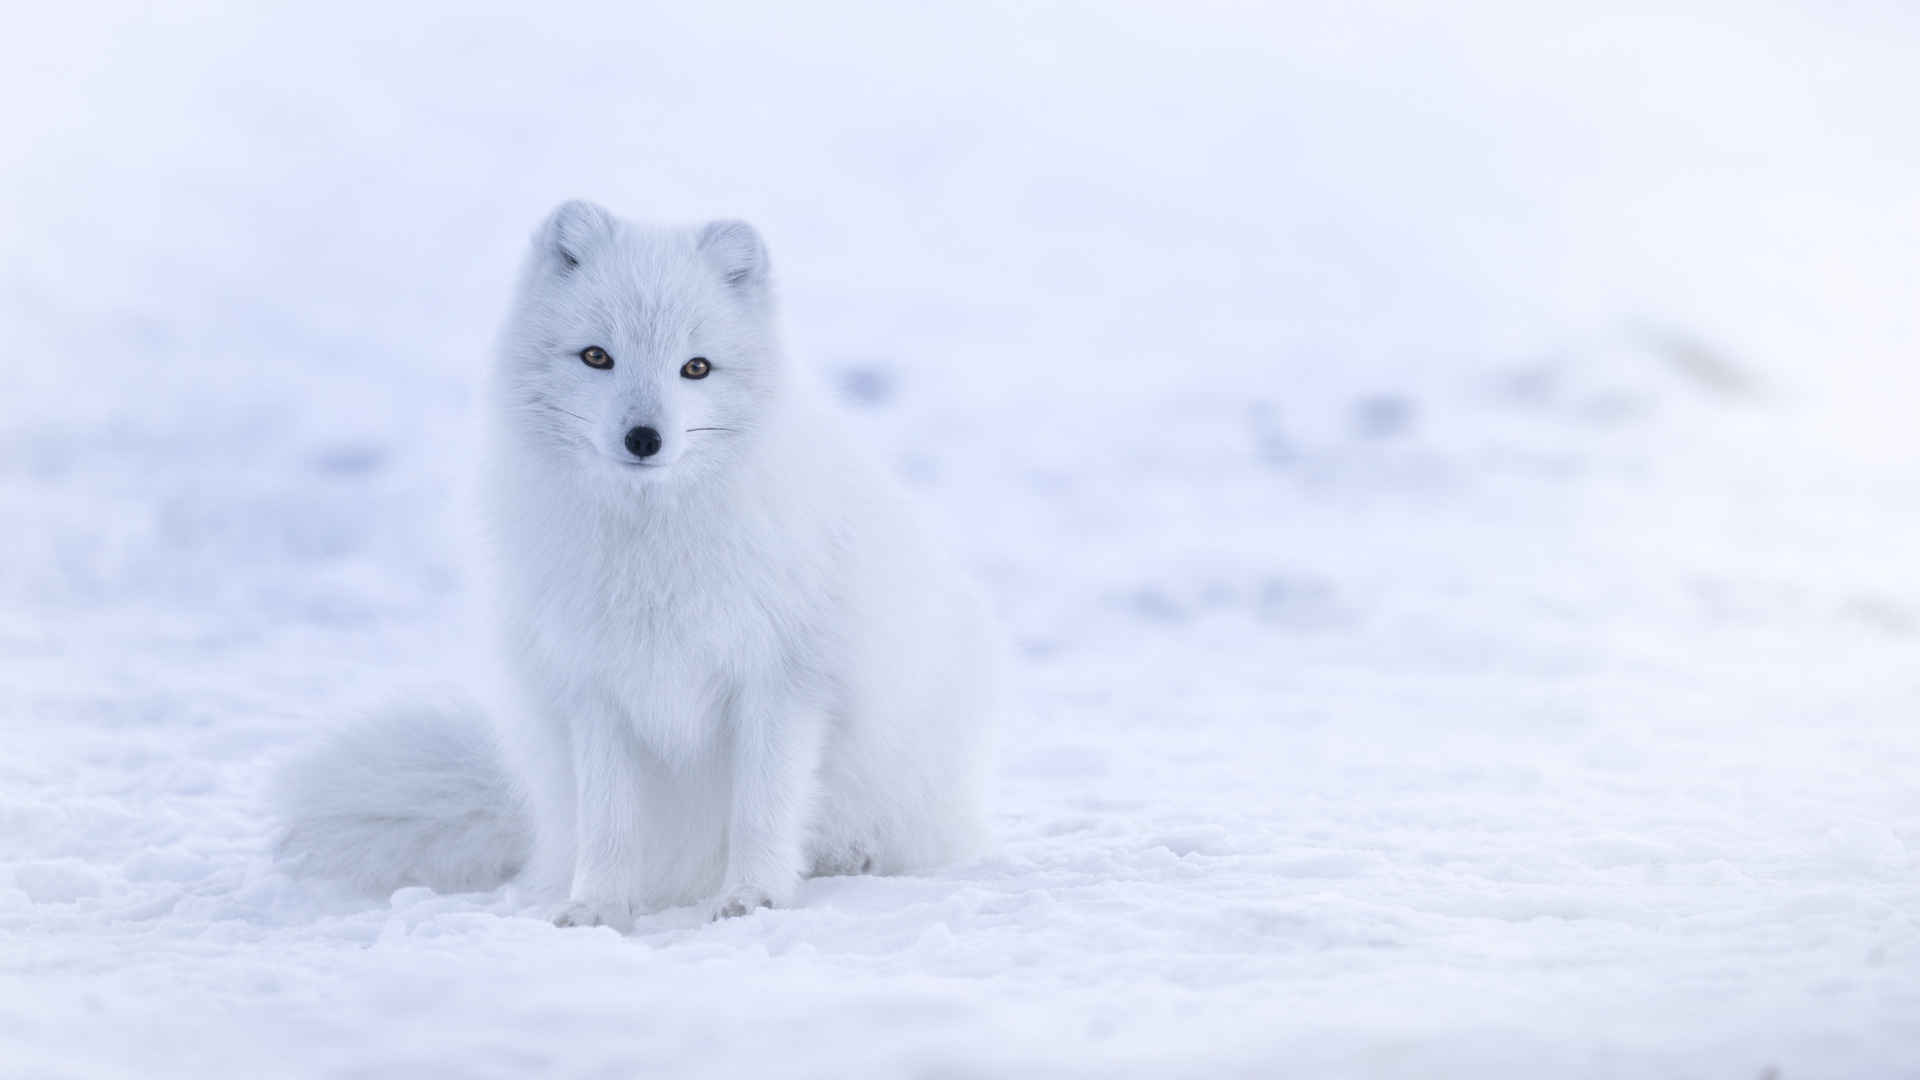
[[643, 442]]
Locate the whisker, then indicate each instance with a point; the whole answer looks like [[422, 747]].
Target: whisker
[[548, 406], [693, 429]]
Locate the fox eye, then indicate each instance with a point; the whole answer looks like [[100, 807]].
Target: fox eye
[[596, 357], [695, 368]]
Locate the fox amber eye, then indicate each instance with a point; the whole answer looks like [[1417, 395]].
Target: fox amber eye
[[695, 368], [596, 357]]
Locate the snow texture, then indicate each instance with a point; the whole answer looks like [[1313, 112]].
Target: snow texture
[[1446, 471]]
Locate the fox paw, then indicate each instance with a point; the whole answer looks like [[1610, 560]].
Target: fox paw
[[614, 913], [744, 900], [844, 863]]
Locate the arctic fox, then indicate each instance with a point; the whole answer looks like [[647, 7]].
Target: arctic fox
[[738, 660]]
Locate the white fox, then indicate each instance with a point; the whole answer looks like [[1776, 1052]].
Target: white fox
[[740, 662]]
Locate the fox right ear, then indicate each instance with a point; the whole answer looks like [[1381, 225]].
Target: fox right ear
[[572, 231], [736, 250]]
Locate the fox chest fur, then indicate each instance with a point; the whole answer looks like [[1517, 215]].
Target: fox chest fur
[[663, 617]]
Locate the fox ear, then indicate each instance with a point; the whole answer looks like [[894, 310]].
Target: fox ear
[[734, 248], [571, 233]]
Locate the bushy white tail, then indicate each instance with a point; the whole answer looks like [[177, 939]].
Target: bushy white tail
[[418, 796]]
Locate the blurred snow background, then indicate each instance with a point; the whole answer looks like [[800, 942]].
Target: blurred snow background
[[1448, 474]]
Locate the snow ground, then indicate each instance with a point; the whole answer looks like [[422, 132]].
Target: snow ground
[[1449, 482]]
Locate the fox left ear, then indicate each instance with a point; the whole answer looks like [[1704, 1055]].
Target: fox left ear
[[735, 249], [574, 229]]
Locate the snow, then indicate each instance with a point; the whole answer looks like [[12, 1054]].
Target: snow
[[1448, 479]]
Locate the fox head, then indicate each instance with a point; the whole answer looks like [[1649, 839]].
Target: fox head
[[646, 352]]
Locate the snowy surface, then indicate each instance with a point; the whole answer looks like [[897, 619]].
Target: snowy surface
[[1450, 484]]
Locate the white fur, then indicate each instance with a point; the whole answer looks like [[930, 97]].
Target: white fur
[[739, 662], [415, 797]]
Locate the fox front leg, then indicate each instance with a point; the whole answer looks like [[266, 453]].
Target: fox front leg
[[776, 759], [606, 774]]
